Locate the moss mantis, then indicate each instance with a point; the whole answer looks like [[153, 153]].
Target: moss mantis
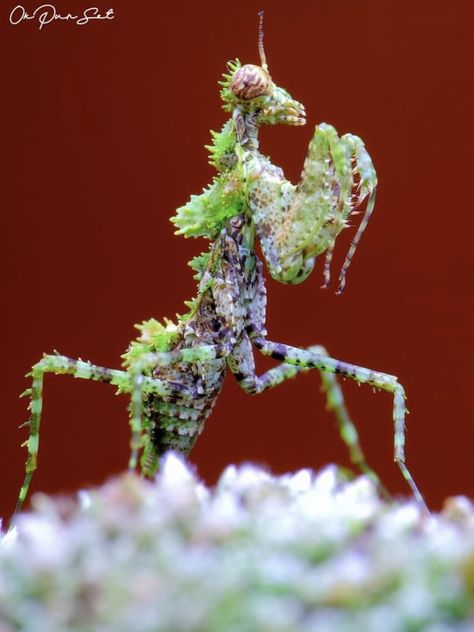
[[174, 371]]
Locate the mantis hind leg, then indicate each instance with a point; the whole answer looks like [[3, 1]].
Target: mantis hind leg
[[59, 365], [311, 359], [62, 365]]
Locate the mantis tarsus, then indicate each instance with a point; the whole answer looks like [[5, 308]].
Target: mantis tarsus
[[174, 371]]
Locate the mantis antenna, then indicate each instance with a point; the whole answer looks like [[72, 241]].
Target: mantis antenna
[[261, 50]]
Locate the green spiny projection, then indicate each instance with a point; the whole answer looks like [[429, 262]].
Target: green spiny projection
[[205, 215]]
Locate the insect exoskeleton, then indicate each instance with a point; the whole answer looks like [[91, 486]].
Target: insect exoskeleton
[[251, 81]]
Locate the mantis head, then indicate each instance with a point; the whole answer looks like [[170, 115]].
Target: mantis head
[[250, 89]]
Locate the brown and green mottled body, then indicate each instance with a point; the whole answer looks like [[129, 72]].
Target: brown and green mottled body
[[231, 302]]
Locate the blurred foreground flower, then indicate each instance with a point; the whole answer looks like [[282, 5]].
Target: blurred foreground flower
[[303, 552]]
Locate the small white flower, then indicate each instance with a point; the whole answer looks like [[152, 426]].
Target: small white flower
[[175, 472], [299, 482]]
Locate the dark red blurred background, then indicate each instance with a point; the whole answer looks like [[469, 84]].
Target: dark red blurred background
[[104, 126]]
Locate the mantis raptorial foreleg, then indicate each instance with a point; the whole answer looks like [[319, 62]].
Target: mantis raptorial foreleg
[[297, 223]]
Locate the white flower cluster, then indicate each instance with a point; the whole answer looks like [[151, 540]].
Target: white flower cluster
[[259, 553]]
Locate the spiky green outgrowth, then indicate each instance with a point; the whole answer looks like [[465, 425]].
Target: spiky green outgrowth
[[154, 336], [204, 215], [199, 264], [226, 93], [222, 153]]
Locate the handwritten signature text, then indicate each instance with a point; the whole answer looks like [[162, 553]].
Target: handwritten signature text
[[47, 13]]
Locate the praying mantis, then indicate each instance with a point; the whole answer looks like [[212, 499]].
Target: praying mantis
[[174, 371]]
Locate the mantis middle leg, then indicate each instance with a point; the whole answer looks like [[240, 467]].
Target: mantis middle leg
[[242, 365], [309, 359]]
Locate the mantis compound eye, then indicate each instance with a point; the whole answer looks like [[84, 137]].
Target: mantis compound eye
[[251, 81]]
